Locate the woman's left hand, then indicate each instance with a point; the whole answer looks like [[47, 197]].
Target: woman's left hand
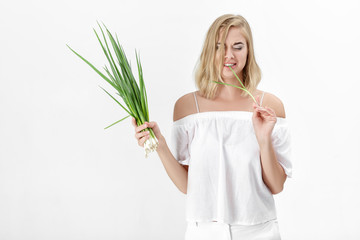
[[264, 119]]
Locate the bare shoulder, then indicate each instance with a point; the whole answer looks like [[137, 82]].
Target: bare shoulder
[[184, 106], [272, 101]]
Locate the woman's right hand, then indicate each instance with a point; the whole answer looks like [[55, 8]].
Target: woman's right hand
[[141, 137]]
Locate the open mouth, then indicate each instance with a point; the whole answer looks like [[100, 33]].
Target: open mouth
[[229, 64]]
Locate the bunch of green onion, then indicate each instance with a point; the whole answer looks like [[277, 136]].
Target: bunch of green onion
[[242, 88], [122, 79]]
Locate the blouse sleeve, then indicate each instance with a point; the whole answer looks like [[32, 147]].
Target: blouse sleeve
[[180, 142], [281, 139]]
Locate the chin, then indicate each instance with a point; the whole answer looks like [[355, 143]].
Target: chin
[[230, 75]]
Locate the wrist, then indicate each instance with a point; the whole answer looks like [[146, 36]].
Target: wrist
[[161, 144], [265, 142]]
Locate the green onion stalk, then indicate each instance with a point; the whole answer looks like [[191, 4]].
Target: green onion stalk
[[123, 81], [242, 88]]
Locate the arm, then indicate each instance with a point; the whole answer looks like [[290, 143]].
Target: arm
[[177, 173], [272, 172], [264, 119]]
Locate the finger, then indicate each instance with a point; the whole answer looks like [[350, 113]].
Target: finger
[[264, 112], [133, 122], [141, 134], [263, 109], [268, 111], [141, 127], [260, 109], [271, 110], [142, 140], [257, 112], [152, 124]]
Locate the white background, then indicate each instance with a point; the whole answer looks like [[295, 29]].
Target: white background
[[62, 176]]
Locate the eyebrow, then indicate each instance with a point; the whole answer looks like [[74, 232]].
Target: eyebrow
[[237, 43]]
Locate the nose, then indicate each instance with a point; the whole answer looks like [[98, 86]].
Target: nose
[[228, 53]]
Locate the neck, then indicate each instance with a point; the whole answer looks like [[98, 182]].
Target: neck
[[230, 93]]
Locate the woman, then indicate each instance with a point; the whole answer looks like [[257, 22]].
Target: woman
[[229, 155]]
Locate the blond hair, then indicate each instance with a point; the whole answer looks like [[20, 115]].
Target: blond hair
[[206, 70]]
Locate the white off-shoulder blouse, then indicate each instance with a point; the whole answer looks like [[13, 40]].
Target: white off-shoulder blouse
[[224, 178]]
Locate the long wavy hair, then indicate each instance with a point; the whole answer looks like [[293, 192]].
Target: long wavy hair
[[208, 70]]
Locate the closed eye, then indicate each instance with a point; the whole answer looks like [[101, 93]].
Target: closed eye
[[236, 48]]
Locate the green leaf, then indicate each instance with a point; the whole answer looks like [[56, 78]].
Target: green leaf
[[120, 76], [116, 100], [237, 77], [92, 66], [117, 122], [240, 88], [229, 84]]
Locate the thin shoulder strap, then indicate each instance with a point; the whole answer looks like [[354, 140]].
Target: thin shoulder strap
[[262, 98], [197, 106]]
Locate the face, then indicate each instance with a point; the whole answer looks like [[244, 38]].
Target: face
[[235, 54]]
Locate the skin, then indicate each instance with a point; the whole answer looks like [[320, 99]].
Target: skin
[[236, 52], [177, 173], [228, 98]]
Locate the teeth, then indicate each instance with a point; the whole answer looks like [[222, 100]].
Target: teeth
[[229, 64]]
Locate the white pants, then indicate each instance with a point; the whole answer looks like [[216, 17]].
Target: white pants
[[222, 231]]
